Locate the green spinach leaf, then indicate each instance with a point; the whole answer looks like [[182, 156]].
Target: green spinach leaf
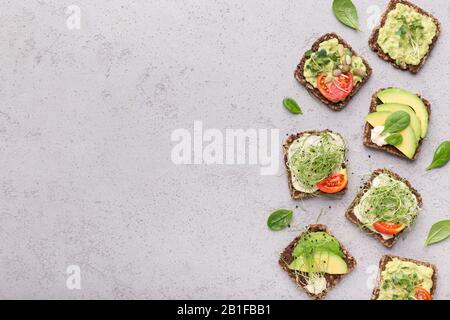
[[397, 122], [307, 245], [441, 156], [394, 139], [345, 11], [280, 219], [438, 232], [292, 106]]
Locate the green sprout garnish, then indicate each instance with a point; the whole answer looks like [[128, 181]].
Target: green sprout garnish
[[313, 163]]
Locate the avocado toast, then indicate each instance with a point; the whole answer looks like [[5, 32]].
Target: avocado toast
[[315, 163], [386, 206], [332, 71], [406, 36], [316, 261], [405, 279], [384, 104]]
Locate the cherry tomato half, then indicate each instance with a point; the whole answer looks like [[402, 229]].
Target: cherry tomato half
[[334, 183], [338, 89], [422, 294], [388, 228]]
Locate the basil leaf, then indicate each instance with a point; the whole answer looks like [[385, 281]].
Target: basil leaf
[[280, 219], [441, 156], [309, 53], [292, 106], [394, 139], [438, 232], [345, 11], [396, 122]]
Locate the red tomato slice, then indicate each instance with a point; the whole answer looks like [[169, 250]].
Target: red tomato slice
[[338, 89], [334, 183], [388, 228], [422, 294]]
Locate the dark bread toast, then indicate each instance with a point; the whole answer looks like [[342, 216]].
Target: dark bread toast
[[296, 194], [286, 258], [314, 91], [388, 148], [373, 41], [386, 258], [352, 217]]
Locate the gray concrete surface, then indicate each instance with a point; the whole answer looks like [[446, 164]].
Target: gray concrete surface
[[86, 174]]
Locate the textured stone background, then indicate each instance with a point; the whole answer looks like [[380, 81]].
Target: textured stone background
[[85, 123]]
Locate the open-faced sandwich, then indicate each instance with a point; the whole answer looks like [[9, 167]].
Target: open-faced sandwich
[[405, 279], [332, 71], [315, 162], [316, 261], [397, 122], [406, 35], [385, 207]]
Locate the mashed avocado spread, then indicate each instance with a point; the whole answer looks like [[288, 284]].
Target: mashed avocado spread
[[333, 56], [400, 278], [407, 35]]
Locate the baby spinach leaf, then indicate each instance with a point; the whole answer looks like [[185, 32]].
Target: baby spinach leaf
[[306, 247], [292, 106], [331, 246], [280, 219], [441, 156], [345, 11], [394, 139], [397, 122], [438, 232]]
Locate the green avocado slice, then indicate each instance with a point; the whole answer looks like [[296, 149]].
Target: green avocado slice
[[415, 122], [400, 96], [323, 261], [409, 144]]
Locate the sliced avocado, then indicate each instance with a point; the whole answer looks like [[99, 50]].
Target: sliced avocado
[[323, 261], [334, 265], [409, 145], [299, 264], [396, 95], [319, 236], [393, 107], [317, 239]]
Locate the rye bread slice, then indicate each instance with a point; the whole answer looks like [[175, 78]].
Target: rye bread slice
[[386, 258], [286, 259], [336, 106], [352, 217], [373, 41], [296, 194], [388, 148]]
